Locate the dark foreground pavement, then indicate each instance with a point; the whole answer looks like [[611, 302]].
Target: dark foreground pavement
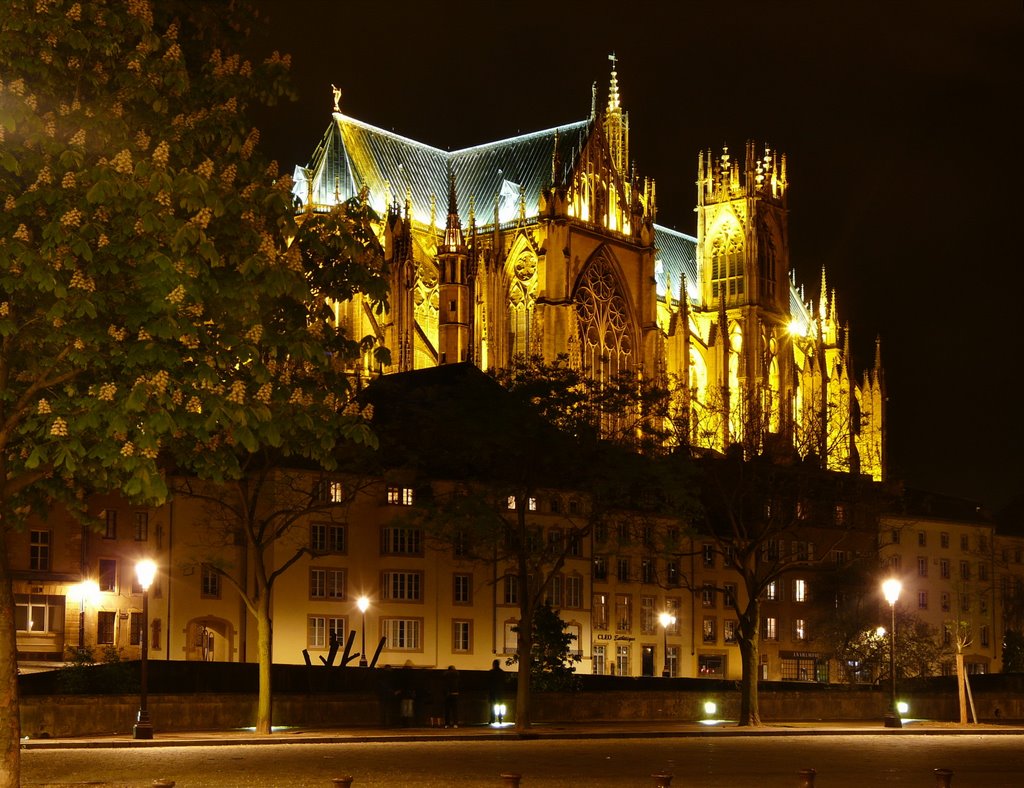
[[552, 756]]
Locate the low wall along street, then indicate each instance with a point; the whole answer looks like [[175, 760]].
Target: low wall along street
[[339, 698]]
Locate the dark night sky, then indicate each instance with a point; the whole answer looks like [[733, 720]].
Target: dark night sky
[[901, 122]]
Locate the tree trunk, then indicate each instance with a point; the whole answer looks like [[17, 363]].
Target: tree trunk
[[264, 638], [749, 637], [524, 647], [960, 678], [10, 718]]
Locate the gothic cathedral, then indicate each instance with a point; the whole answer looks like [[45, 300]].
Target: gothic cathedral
[[546, 244]]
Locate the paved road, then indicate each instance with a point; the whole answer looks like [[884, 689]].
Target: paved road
[[978, 761]]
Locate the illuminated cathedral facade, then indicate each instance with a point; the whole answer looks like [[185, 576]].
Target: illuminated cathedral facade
[[546, 244]]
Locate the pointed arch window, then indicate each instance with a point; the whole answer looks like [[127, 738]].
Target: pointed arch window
[[522, 295], [605, 334], [727, 264]]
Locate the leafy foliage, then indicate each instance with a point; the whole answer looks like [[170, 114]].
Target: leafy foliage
[[1013, 652], [553, 658]]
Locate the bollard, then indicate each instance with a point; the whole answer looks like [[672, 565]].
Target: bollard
[[161, 782], [807, 778], [342, 782], [510, 779], [943, 778], [662, 779]]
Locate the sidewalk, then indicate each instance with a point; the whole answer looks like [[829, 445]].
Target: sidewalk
[[567, 730]]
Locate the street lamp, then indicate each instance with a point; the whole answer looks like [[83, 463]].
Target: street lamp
[[891, 590], [666, 619], [363, 603], [88, 591], [145, 570]]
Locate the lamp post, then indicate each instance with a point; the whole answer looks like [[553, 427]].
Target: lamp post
[[891, 590], [666, 620], [363, 603], [145, 570], [87, 592]]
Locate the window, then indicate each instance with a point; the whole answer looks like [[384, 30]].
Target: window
[[770, 551], [945, 602], [108, 575], [599, 660], [982, 570], [462, 589], [944, 539], [327, 538], [711, 666], [574, 591], [707, 595], [729, 595], [402, 634], [510, 502], [574, 506], [710, 629], [647, 618], [799, 590], [623, 613], [839, 557], [622, 661], [895, 536], [462, 637], [553, 594], [600, 568], [770, 628], [709, 556], [672, 573], [400, 540], [982, 602], [647, 573], [799, 629], [110, 529], [922, 566], [135, 629], [922, 600], [771, 592], [39, 551], [599, 611], [105, 621], [531, 504], [326, 583], [965, 570], [672, 660], [623, 533], [329, 491], [964, 542], [39, 613], [944, 567], [324, 631], [209, 582], [965, 603], [922, 539], [510, 594], [982, 543], [983, 634], [555, 505], [402, 586], [622, 569], [140, 523], [840, 514], [729, 631], [400, 496], [575, 545], [556, 540], [896, 562]]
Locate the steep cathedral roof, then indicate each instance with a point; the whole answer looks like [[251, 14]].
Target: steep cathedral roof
[[506, 176]]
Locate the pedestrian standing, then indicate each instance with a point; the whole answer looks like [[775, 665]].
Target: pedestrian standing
[[451, 697]]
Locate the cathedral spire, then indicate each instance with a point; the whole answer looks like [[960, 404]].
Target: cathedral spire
[[453, 227], [823, 299], [613, 88], [616, 123]]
